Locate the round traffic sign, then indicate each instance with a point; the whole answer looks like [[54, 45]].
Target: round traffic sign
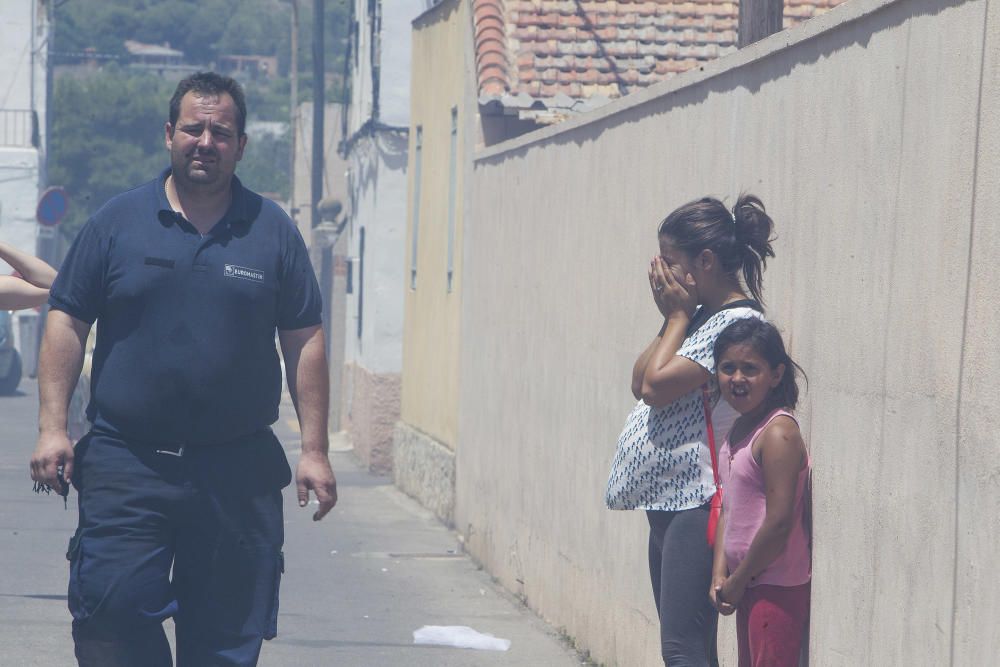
[[52, 206]]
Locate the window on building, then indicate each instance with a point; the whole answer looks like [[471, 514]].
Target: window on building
[[452, 194], [361, 280], [418, 149]]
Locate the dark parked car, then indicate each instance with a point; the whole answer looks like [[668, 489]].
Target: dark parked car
[[10, 360]]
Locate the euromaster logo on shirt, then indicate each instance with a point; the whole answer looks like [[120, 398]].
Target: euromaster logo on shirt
[[234, 271]]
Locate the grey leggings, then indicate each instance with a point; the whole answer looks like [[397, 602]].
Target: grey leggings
[[680, 567]]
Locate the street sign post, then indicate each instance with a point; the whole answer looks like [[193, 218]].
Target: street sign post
[[52, 207]]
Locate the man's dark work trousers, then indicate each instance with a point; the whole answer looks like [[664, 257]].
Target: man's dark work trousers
[[213, 515]]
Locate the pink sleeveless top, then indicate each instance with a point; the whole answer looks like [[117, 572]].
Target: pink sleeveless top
[[744, 503]]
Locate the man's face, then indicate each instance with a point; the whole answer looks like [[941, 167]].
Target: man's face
[[205, 144]]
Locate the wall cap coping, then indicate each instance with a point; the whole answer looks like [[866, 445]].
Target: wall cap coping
[[841, 15]]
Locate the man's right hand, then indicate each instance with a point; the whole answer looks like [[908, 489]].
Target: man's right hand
[[53, 450]]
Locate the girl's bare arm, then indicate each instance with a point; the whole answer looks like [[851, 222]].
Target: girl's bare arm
[[16, 294], [720, 569], [782, 454], [32, 269]]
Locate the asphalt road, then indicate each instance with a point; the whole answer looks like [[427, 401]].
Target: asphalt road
[[355, 588]]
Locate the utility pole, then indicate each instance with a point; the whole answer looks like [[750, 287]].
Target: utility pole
[[47, 240], [758, 19], [50, 75], [319, 107], [294, 101]]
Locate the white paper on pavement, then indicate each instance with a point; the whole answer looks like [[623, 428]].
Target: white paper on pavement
[[459, 636]]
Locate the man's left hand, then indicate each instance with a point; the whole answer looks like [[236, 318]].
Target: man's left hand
[[315, 474]]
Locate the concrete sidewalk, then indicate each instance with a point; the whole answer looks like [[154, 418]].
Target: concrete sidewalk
[[355, 588], [379, 567]]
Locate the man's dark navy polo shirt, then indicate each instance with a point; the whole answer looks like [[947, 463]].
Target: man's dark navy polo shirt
[[185, 348]]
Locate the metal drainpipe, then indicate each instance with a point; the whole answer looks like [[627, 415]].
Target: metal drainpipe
[[319, 106]]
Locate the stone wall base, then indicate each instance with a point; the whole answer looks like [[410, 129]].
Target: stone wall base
[[425, 469]]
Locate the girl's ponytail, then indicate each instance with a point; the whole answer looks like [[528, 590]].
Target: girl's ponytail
[[754, 229]]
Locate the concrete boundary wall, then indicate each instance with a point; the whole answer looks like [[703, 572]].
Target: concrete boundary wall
[[871, 134]]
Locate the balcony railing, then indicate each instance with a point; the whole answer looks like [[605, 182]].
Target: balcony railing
[[18, 128]]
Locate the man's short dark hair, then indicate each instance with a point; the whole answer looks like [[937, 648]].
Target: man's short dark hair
[[210, 83]]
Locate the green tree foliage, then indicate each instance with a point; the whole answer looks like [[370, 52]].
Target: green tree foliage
[[266, 163], [107, 127], [335, 41], [202, 29], [106, 137]]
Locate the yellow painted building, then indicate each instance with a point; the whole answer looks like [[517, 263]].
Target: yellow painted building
[[441, 95]]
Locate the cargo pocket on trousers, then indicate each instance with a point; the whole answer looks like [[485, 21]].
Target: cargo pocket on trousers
[[74, 596], [272, 622]]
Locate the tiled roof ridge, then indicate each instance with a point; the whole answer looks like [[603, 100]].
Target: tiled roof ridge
[[567, 56], [492, 63]]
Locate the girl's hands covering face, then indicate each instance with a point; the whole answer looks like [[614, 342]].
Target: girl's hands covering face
[[673, 294]]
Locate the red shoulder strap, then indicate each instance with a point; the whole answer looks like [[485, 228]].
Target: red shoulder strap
[[711, 433]]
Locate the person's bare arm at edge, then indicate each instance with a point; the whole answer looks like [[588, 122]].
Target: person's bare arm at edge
[[32, 288], [309, 384], [720, 569], [33, 270], [16, 293], [59, 367]]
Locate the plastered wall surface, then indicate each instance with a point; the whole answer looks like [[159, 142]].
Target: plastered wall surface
[[430, 355], [374, 412], [870, 134], [377, 193], [377, 187], [977, 587], [19, 193], [394, 51], [23, 29], [360, 108]]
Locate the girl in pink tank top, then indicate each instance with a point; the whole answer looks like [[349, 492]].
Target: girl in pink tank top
[[762, 552]]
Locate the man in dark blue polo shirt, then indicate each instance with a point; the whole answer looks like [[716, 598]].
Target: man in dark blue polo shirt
[[188, 278]]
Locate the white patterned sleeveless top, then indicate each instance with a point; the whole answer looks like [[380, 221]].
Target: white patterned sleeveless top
[[663, 461]]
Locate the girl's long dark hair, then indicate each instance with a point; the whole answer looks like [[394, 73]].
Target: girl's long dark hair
[[764, 338], [741, 239]]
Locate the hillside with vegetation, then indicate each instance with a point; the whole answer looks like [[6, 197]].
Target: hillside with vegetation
[[108, 108]]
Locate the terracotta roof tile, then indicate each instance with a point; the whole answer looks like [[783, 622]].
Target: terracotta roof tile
[[491, 49], [579, 49]]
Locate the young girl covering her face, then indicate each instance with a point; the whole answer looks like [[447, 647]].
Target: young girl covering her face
[[662, 464], [762, 555]]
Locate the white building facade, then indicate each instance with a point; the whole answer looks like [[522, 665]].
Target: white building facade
[[24, 32], [376, 153]]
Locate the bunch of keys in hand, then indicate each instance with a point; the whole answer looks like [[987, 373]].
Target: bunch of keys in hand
[[42, 487]]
